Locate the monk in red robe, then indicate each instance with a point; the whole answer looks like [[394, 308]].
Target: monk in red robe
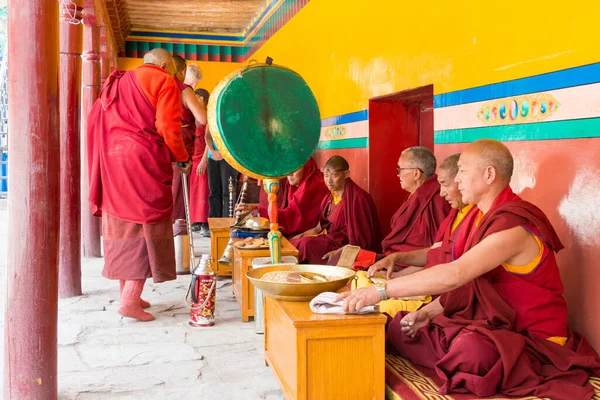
[[187, 77], [199, 178], [418, 219], [301, 208], [441, 251], [134, 134], [500, 325], [348, 216]]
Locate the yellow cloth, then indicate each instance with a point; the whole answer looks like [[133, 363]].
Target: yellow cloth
[[390, 306], [336, 200], [460, 216]]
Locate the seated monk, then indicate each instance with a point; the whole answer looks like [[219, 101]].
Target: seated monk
[[500, 324], [440, 252], [301, 208], [348, 216], [418, 219]]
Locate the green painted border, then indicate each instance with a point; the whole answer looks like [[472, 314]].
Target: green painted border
[[566, 129], [354, 143]]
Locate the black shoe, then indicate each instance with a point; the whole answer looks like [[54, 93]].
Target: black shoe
[[197, 227], [205, 232]]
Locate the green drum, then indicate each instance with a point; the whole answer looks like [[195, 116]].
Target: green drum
[[265, 120]]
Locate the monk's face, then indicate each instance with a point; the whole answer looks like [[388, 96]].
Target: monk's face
[[471, 179], [449, 189], [335, 179], [295, 178], [408, 173], [181, 75]]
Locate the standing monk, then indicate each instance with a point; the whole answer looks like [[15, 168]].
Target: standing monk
[[348, 216], [187, 77], [418, 219], [301, 207], [500, 325], [134, 134], [199, 179]]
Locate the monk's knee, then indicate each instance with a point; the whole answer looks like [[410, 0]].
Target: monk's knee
[[474, 352]]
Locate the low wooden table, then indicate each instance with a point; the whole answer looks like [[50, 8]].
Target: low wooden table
[[242, 262], [219, 237], [324, 356]]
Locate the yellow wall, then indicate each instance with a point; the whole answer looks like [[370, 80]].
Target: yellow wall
[[212, 72], [351, 51]]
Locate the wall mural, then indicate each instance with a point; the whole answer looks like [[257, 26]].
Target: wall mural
[[518, 110]]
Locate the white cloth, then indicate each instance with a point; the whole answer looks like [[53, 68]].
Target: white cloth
[[325, 304]]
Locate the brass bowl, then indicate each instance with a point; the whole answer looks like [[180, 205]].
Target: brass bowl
[[290, 291]]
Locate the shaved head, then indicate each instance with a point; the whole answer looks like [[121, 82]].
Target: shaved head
[[337, 163], [495, 154], [180, 64], [162, 59]]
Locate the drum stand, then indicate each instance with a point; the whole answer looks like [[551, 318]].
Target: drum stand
[[271, 186]]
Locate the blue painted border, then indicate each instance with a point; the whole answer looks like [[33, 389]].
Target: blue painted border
[[346, 118], [576, 76]]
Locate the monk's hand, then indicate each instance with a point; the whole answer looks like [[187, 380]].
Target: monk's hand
[[216, 155], [185, 168], [412, 322], [354, 300], [386, 263], [333, 253], [202, 165], [241, 209]]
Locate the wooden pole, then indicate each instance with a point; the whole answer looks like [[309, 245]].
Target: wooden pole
[[69, 256], [30, 363], [90, 225]]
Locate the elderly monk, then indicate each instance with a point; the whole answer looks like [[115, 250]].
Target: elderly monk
[[500, 325], [187, 77], [440, 252], [348, 216], [418, 219], [199, 179], [301, 207], [134, 134]]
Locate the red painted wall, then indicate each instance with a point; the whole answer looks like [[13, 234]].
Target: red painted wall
[[562, 177], [357, 158]]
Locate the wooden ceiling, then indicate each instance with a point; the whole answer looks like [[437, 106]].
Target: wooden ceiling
[[214, 16]]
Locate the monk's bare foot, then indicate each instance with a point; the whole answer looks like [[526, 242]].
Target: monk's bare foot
[[144, 304], [135, 312]]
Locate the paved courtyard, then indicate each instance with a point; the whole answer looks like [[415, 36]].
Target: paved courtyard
[[105, 356]]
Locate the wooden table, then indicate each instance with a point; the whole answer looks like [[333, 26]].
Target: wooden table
[[324, 356], [219, 237], [242, 262]]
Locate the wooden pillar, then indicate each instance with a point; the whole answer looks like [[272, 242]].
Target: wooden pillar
[[104, 60], [90, 225], [69, 256], [30, 363]]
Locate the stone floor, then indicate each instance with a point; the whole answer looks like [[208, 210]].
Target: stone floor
[[104, 356]]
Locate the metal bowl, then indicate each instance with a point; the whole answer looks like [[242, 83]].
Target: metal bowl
[[289, 291]]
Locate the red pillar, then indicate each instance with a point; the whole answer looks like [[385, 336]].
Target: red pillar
[[104, 60], [90, 225], [69, 256], [30, 363]]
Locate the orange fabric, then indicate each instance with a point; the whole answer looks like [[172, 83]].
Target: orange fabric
[[163, 93]]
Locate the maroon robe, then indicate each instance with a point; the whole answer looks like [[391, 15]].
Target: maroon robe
[[130, 175], [199, 183], [353, 221], [302, 208], [493, 335], [188, 130], [418, 219]]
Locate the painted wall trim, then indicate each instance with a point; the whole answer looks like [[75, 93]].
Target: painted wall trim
[[355, 143], [346, 118], [567, 129], [577, 76]]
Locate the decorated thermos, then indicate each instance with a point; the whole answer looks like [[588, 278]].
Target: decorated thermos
[[203, 290]]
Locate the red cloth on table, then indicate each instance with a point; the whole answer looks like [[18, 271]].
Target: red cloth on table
[[302, 209], [353, 221], [199, 183], [492, 337]]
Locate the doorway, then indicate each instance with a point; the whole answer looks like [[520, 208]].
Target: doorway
[[396, 122]]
